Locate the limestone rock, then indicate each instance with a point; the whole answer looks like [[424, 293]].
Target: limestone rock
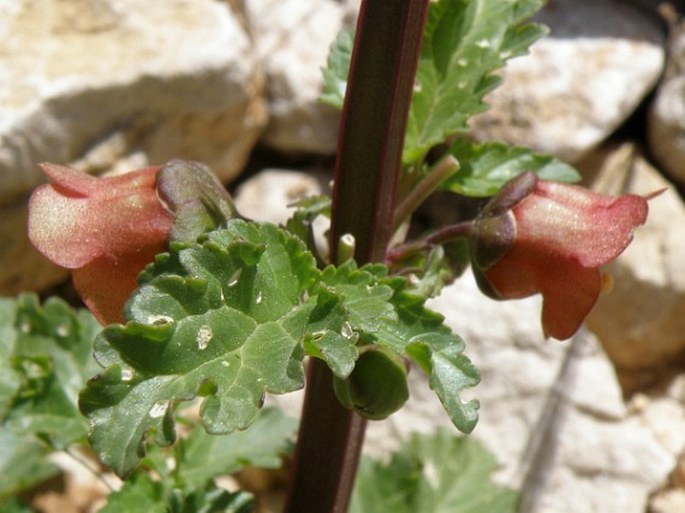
[[579, 83], [583, 450], [292, 39], [97, 81], [641, 323]]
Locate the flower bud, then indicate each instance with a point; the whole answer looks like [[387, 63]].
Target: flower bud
[[377, 386]]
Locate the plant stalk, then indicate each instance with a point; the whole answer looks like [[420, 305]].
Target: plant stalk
[[368, 165]]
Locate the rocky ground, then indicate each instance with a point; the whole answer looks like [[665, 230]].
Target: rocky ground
[[592, 425]]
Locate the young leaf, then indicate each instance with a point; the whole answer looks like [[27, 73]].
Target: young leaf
[[437, 473], [223, 318], [464, 42], [337, 68], [487, 167]]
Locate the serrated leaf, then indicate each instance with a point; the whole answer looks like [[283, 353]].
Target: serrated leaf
[[422, 335], [487, 167], [437, 473], [365, 297], [201, 457], [351, 303], [465, 41], [337, 68], [230, 327]]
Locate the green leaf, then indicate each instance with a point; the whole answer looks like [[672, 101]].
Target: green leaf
[[14, 505], [201, 457], [437, 473], [45, 356], [22, 462], [223, 318], [337, 68], [464, 42], [352, 302], [10, 379], [301, 223], [485, 168], [213, 499], [422, 335], [53, 354], [142, 494]]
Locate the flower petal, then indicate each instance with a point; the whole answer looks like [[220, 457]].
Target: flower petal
[[576, 223], [68, 181], [569, 290], [105, 285], [56, 227]]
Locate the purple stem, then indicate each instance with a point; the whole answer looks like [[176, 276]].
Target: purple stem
[[381, 78]]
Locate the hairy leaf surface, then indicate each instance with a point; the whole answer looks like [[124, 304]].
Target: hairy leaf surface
[[487, 167], [465, 41]]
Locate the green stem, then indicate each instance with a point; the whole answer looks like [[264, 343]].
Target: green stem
[[381, 78], [446, 167]]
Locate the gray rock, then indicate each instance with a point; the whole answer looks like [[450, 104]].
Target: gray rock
[[578, 84]]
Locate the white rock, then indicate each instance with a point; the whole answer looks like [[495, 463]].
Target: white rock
[[579, 83], [293, 38], [268, 195], [96, 81], [642, 321]]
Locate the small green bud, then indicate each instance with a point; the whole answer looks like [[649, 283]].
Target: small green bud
[[377, 387]]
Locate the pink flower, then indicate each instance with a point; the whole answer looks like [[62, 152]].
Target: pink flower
[[551, 238], [105, 229]]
